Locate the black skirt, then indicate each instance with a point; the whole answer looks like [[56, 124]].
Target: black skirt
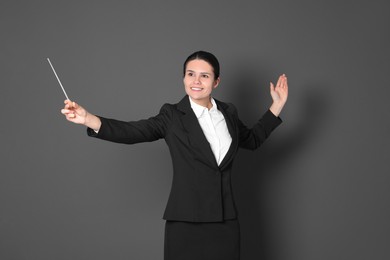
[[202, 241]]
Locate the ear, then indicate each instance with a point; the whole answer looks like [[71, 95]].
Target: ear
[[216, 82]]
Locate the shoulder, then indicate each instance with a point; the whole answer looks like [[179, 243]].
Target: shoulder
[[183, 106], [167, 107], [227, 106], [172, 109]]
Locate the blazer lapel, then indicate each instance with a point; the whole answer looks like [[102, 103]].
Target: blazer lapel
[[195, 133], [232, 127]]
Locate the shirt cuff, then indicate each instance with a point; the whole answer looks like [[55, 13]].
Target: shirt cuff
[[93, 132]]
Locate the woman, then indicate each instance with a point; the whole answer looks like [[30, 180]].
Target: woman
[[203, 136]]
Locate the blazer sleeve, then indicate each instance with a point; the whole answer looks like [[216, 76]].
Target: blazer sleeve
[[145, 130], [252, 138]]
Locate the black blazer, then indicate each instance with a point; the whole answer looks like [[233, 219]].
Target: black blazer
[[201, 190]]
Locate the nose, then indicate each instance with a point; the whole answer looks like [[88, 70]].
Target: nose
[[197, 80]]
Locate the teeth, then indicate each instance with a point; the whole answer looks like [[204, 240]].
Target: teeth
[[196, 88]]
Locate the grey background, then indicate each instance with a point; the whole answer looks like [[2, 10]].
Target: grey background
[[318, 188]]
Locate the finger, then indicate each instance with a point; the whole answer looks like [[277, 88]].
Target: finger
[[278, 84], [70, 116], [68, 104], [65, 111], [285, 83], [67, 101]]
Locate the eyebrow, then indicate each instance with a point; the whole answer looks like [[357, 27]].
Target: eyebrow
[[200, 72]]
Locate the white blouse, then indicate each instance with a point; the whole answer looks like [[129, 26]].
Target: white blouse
[[214, 128]]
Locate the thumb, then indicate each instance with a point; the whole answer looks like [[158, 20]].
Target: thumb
[[271, 86]]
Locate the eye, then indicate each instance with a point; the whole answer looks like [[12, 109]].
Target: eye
[[190, 74], [205, 76]]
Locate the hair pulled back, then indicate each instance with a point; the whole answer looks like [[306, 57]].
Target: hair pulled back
[[206, 56]]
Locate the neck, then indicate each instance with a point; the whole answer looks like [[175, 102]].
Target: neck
[[204, 102]]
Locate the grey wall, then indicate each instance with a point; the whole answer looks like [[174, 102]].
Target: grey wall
[[318, 189]]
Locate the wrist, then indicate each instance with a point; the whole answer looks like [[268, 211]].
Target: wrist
[[276, 108], [92, 121]]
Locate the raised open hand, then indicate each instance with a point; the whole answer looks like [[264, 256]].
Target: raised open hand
[[279, 94]]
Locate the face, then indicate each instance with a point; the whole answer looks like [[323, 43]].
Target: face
[[199, 81]]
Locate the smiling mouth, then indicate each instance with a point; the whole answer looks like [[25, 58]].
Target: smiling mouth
[[196, 89]]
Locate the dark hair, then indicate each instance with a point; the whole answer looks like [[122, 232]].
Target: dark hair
[[206, 56]]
